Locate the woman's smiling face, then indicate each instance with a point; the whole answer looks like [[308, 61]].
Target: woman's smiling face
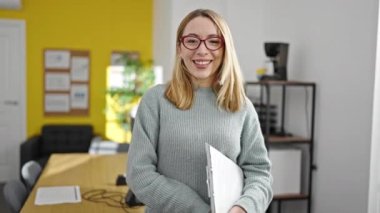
[[202, 63]]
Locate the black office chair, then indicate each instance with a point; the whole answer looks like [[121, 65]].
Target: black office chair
[[15, 195]]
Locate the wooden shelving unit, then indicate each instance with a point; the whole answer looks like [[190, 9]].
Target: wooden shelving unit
[[286, 139]]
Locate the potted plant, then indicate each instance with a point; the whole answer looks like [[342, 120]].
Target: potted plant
[[137, 78]]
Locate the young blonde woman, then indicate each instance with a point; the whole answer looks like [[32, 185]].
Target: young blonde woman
[[203, 103]]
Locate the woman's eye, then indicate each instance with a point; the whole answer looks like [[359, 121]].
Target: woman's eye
[[191, 41], [214, 41]]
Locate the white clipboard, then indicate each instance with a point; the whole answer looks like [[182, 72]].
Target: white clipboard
[[224, 180]]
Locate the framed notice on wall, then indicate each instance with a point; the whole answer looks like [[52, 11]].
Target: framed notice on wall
[[66, 82]]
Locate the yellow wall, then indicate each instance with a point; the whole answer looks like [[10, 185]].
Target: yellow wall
[[99, 26]]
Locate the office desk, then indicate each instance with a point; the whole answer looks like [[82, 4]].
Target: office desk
[[90, 172]]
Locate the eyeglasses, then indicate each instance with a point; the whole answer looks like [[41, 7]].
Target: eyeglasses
[[211, 43]]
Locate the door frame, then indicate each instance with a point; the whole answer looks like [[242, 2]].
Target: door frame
[[374, 172]]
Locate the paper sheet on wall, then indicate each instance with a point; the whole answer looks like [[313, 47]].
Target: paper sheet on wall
[[224, 180], [79, 68], [79, 96], [57, 59], [57, 103], [57, 81], [57, 195], [117, 59]]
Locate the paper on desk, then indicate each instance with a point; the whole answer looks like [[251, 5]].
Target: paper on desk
[[57, 195], [224, 179]]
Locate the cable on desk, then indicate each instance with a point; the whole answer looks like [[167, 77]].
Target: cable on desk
[[111, 199]]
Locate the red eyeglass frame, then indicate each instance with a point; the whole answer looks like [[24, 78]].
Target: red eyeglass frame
[[202, 40]]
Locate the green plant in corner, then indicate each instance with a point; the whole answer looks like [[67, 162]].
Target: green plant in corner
[[138, 77]]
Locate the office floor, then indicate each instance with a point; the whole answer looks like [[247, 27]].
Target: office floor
[[3, 207]]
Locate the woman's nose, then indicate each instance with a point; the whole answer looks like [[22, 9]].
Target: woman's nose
[[202, 49]]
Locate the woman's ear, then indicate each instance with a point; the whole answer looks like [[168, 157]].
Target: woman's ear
[[179, 53], [178, 49]]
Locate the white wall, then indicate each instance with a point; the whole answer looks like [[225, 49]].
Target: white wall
[[163, 39], [246, 19], [332, 42]]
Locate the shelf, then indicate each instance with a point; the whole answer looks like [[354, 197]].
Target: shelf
[[280, 83], [287, 139], [290, 197], [277, 137]]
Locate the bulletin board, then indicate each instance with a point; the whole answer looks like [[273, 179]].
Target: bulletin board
[[66, 88], [117, 56]]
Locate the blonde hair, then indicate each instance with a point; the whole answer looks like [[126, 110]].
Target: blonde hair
[[229, 83]]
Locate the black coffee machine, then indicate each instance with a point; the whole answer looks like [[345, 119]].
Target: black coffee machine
[[277, 52]]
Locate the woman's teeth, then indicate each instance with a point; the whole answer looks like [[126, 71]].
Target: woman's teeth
[[202, 62]]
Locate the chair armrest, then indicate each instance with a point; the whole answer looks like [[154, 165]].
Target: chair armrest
[[30, 150]]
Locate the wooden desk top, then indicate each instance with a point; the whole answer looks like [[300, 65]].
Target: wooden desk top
[[90, 172]]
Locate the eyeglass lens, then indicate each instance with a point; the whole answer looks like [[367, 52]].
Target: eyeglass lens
[[193, 43]]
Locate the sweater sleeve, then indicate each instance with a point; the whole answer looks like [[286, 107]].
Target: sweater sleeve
[[254, 161], [152, 188]]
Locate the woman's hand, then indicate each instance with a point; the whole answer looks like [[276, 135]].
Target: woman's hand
[[237, 209]]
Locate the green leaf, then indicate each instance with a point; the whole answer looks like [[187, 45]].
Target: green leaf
[[138, 77]]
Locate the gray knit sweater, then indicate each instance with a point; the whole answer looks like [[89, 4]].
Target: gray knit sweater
[[167, 158]]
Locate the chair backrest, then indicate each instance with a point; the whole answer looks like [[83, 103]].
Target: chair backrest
[[30, 172], [15, 194]]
